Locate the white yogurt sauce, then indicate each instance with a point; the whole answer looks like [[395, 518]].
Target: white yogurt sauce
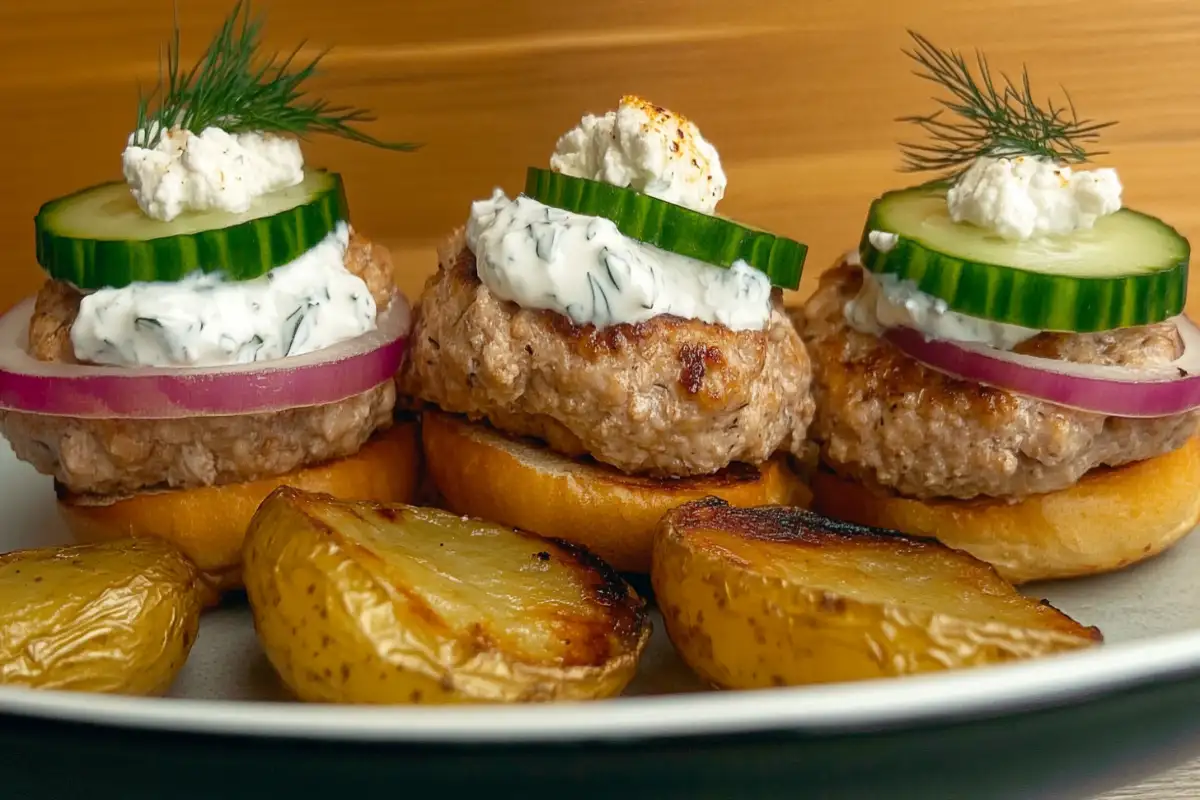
[[217, 170], [205, 320], [541, 257], [647, 148], [1025, 197], [885, 301]]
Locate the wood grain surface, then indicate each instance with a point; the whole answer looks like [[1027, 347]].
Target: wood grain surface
[[798, 96]]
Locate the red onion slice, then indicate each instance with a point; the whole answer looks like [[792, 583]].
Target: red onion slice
[[76, 390], [1115, 391]]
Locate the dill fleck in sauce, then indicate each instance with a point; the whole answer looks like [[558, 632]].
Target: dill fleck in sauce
[[205, 320], [584, 268]]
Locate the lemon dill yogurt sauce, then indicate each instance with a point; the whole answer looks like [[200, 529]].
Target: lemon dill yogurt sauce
[[583, 267]]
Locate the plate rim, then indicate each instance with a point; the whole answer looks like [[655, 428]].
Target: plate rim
[[824, 709], [828, 709]]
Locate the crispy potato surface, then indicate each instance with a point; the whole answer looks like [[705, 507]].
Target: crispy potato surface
[[118, 617], [370, 603], [777, 596]]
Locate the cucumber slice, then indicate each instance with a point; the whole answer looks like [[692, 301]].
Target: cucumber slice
[[1130, 269], [680, 230], [98, 237]]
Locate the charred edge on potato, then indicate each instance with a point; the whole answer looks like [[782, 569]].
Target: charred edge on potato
[[799, 526], [626, 609], [610, 590], [786, 524]]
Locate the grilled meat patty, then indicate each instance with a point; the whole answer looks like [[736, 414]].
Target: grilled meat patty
[[882, 417], [667, 397], [123, 456]]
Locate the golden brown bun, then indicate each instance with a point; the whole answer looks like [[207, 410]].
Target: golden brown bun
[[482, 473], [208, 524], [1110, 519]]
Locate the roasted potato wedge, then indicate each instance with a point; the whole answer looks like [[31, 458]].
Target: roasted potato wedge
[[369, 603], [776, 596], [118, 617]]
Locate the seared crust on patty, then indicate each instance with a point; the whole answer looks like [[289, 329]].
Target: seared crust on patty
[[882, 417], [57, 303], [123, 456], [664, 397], [373, 263], [54, 312]]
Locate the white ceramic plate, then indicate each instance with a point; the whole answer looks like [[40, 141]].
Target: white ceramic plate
[[1150, 616]]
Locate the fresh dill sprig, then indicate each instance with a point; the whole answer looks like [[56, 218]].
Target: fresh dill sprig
[[998, 120], [228, 89]]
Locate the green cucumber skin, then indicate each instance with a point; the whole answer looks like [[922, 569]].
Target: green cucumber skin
[[670, 227], [241, 252], [1034, 300]]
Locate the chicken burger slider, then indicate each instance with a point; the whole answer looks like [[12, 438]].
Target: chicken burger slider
[[603, 347], [212, 327], [1004, 363]]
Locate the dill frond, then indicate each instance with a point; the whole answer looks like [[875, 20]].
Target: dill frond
[[990, 117], [233, 88]]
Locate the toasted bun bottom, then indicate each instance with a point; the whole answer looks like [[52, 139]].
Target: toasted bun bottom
[[482, 473], [208, 524], [1110, 519]]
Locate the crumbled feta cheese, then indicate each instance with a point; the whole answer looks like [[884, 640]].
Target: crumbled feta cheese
[[1025, 197], [217, 170], [882, 240], [647, 148]]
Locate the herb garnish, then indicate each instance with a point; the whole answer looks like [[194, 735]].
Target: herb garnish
[[228, 89], [994, 120]]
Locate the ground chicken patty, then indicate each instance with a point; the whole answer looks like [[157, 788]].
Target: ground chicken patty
[[121, 456], [664, 397], [884, 418]]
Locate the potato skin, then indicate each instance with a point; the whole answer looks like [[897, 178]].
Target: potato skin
[[754, 598], [118, 617], [348, 612]]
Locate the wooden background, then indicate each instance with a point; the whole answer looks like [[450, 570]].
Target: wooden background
[[799, 96]]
